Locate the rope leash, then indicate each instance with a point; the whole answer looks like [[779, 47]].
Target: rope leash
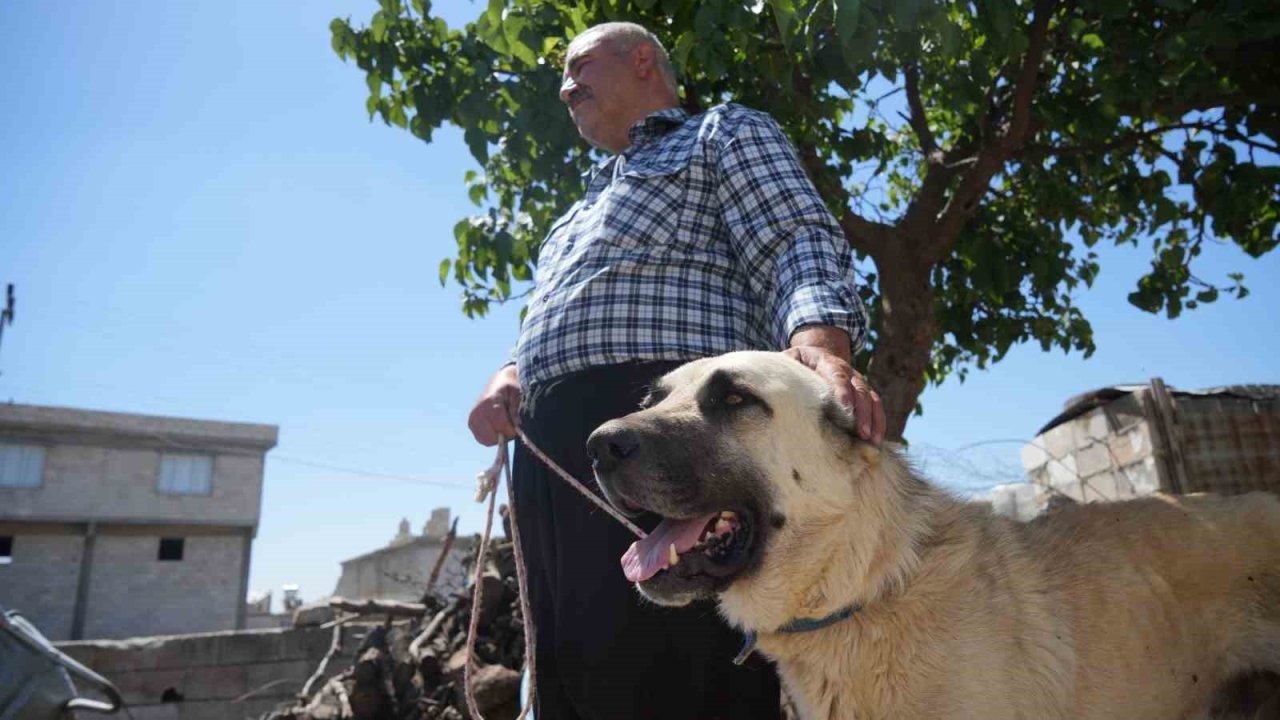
[[487, 487], [578, 486]]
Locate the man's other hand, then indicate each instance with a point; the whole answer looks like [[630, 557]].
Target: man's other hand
[[851, 389], [495, 413]]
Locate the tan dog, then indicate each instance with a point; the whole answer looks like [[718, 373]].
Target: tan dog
[[880, 596]]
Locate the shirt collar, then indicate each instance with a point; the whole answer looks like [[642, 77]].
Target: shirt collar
[[655, 126], [642, 133]]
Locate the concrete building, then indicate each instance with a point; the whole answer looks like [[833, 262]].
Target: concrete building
[[400, 570], [1128, 441], [115, 525]]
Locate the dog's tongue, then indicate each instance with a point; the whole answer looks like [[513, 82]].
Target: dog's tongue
[[646, 557]]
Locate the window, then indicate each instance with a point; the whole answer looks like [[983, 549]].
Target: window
[[186, 474], [170, 549], [21, 465], [6, 549]]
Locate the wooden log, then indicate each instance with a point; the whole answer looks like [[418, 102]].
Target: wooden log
[[391, 608]]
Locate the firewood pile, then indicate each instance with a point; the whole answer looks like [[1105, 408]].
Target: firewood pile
[[411, 666]]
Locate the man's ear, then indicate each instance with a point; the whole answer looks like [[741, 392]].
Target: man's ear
[[643, 59]]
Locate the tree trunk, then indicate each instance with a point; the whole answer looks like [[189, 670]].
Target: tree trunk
[[907, 331]]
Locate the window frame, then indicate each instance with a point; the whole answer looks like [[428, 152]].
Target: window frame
[[41, 452], [164, 489]]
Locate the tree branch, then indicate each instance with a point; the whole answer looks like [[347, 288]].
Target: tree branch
[[1251, 143], [992, 157], [1180, 106], [867, 235], [928, 200], [919, 121], [1124, 141]]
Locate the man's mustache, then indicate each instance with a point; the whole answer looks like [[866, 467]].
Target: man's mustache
[[580, 93]]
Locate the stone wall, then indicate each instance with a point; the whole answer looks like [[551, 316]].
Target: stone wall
[[198, 677], [1104, 454]]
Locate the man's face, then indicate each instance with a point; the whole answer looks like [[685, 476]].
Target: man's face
[[597, 86]]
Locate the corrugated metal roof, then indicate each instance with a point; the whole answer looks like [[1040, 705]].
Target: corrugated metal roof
[[1080, 404]]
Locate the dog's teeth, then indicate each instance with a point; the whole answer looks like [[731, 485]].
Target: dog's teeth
[[728, 515], [672, 556], [723, 527]]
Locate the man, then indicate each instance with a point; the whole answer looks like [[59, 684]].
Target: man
[[698, 236]]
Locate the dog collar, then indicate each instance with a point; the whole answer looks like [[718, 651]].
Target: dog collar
[[798, 625]]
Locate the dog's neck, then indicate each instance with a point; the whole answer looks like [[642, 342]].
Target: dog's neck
[[878, 570], [865, 563]]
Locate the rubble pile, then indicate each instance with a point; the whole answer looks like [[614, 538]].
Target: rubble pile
[[411, 666]]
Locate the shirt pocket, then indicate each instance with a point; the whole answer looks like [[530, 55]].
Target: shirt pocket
[[643, 206]]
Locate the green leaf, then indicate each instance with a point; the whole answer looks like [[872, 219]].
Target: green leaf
[[784, 13], [489, 28], [477, 143], [1092, 41], [444, 271], [905, 13], [1207, 296], [379, 26], [846, 12], [680, 56], [512, 28], [340, 41]]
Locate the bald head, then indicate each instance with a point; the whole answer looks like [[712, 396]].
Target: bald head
[[615, 75], [625, 37]]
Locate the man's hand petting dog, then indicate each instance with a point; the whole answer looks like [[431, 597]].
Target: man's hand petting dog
[[851, 388]]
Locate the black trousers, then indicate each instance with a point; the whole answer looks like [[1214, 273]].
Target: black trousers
[[603, 652]]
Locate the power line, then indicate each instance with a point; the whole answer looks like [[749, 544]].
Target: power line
[[367, 473]]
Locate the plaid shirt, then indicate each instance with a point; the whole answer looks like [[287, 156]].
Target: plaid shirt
[[704, 236]]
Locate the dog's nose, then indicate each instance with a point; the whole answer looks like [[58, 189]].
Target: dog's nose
[[611, 444]]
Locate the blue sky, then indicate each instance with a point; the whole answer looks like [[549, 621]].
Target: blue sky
[[201, 221]]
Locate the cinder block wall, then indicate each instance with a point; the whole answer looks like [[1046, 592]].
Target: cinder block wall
[[202, 674], [41, 581], [132, 593], [119, 483]]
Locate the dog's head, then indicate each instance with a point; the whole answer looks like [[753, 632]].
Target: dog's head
[[746, 457]]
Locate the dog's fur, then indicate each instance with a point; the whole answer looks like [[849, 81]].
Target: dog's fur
[[1130, 610]]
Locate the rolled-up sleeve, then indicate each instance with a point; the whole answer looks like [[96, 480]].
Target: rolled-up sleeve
[[782, 232]]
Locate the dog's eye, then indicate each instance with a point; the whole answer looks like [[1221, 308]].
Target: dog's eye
[[734, 398], [654, 396]]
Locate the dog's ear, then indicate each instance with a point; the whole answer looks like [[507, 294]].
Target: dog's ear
[[838, 416]]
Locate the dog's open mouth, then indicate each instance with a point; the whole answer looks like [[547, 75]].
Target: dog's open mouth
[[715, 546]]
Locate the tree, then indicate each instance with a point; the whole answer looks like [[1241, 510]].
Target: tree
[[974, 152]]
